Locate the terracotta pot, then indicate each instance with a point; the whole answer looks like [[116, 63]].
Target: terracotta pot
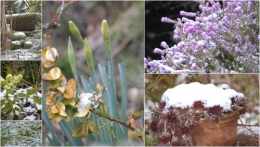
[[220, 133]]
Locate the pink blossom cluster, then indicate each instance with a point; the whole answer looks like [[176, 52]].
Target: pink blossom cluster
[[222, 38]]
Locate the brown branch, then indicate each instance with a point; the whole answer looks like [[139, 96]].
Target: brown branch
[[255, 135], [49, 27], [115, 120], [129, 126]]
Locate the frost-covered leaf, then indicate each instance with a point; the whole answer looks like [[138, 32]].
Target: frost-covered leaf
[[83, 111]]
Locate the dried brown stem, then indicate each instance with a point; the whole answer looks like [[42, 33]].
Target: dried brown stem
[[47, 28], [115, 120], [255, 135], [129, 126]]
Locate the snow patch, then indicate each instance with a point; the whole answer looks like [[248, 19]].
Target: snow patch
[[30, 117], [185, 95]]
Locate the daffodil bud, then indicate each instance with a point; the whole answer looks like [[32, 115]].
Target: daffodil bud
[[75, 31], [88, 54], [106, 35]]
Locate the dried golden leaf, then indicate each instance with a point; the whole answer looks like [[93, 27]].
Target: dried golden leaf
[[69, 93], [48, 64], [54, 109], [51, 54], [50, 115], [55, 73], [61, 108], [57, 83], [44, 52], [72, 84], [61, 89], [49, 99], [46, 76], [57, 118]]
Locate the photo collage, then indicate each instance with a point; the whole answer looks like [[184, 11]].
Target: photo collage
[[129, 73]]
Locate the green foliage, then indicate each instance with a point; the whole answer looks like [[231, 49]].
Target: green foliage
[[10, 103]]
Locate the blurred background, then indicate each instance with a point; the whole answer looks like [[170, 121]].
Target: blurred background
[[248, 84], [126, 23]]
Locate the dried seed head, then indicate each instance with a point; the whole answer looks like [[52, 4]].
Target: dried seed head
[[185, 130], [162, 104], [192, 127], [242, 110], [215, 110], [160, 125], [165, 139], [171, 117], [163, 115], [153, 126], [198, 105]]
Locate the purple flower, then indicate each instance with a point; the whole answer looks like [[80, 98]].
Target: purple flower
[[239, 38], [188, 14], [164, 45], [218, 32], [166, 20], [194, 66], [158, 51]]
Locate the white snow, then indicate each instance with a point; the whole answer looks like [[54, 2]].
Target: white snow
[[29, 109], [185, 95], [31, 100], [30, 117], [39, 107], [28, 43], [243, 130], [224, 86], [84, 100], [19, 34], [16, 42]]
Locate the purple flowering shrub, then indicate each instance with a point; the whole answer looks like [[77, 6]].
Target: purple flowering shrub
[[221, 38]]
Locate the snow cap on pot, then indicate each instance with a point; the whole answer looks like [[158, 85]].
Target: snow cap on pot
[[183, 110]]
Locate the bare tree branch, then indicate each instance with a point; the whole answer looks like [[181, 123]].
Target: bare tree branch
[[49, 27]]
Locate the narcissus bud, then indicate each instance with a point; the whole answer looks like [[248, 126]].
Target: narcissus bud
[[75, 31], [106, 35]]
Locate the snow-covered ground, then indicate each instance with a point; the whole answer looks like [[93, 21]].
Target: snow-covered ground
[[30, 106]]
